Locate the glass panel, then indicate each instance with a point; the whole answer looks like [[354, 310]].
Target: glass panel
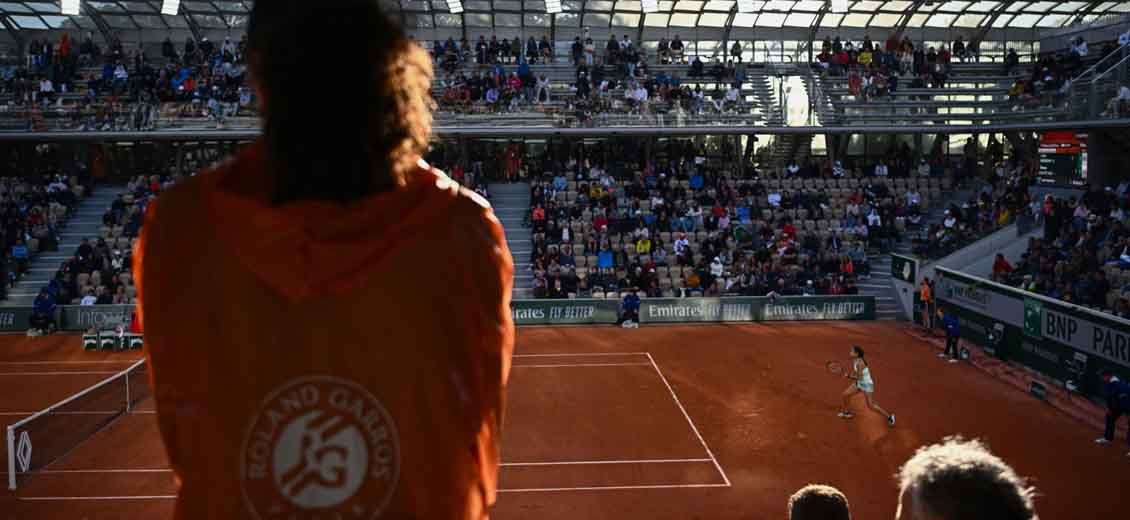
[[683, 20], [831, 20], [197, 7], [688, 5], [953, 7], [808, 5], [1024, 20], [771, 19], [712, 19], [778, 5], [507, 20], [666, 6], [232, 7], [28, 22], [9, 7], [716, 5], [598, 5], [898, 5], [629, 5], [149, 21], [477, 19], [120, 22], [800, 20], [141, 7], [1041, 7], [109, 7], [885, 20], [507, 5], [983, 7], [210, 21], [655, 20], [625, 20], [424, 21], [569, 19], [597, 20], [941, 20], [448, 20], [58, 22], [866, 6], [1054, 20], [1069, 7], [1002, 21], [537, 20], [918, 20], [535, 5], [969, 20], [744, 19], [475, 5], [856, 20], [571, 5]]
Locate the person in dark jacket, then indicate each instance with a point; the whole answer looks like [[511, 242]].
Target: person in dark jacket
[[953, 335], [1117, 405], [630, 310], [43, 313]]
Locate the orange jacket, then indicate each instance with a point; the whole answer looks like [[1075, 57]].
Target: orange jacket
[[323, 360]]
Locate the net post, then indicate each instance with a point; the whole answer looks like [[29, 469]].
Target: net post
[[11, 440]]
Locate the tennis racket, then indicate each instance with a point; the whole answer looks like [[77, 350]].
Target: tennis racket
[[837, 369]]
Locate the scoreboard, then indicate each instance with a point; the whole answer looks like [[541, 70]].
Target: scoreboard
[[1063, 159]]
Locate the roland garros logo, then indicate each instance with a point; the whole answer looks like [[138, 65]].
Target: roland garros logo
[[320, 447]]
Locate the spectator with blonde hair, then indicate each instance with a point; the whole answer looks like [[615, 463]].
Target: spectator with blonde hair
[[961, 480]]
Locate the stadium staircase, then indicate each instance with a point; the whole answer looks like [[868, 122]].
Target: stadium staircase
[[511, 202], [881, 283], [85, 223]]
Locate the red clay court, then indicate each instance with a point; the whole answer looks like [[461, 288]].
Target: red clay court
[[707, 421]]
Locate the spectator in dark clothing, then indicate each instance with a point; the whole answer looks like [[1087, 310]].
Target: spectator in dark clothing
[[953, 335], [43, 314], [1117, 404], [630, 310]]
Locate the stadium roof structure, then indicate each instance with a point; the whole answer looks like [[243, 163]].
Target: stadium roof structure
[[760, 14], [645, 19]]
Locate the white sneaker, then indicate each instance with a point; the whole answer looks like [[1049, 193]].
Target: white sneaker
[[845, 415], [941, 354], [891, 420], [1102, 440], [953, 360]]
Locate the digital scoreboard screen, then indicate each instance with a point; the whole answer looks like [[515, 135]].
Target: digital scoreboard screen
[[1063, 159]]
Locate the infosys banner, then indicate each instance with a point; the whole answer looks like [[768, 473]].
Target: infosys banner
[[1063, 341], [102, 317]]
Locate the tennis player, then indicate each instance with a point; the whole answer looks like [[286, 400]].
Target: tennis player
[[327, 317], [861, 374]]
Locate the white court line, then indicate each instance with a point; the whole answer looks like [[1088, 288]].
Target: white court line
[[101, 361], [516, 490], [132, 497], [504, 464], [596, 462], [689, 421], [131, 412], [612, 488], [83, 373], [582, 355], [584, 365]]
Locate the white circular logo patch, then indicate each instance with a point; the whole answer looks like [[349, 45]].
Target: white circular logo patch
[[320, 447]]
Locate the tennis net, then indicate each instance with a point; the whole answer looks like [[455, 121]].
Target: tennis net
[[48, 435]]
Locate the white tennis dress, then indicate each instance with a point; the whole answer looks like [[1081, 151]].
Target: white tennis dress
[[865, 384]]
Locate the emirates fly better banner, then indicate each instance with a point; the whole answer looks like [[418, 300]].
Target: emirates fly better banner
[[696, 310]]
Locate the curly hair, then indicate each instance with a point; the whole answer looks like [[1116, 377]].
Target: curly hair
[[960, 479], [819, 502], [345, 95]]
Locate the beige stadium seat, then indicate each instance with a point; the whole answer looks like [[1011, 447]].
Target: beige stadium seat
[[33, 245], [82, 280], [598, 295], [582, 262]]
